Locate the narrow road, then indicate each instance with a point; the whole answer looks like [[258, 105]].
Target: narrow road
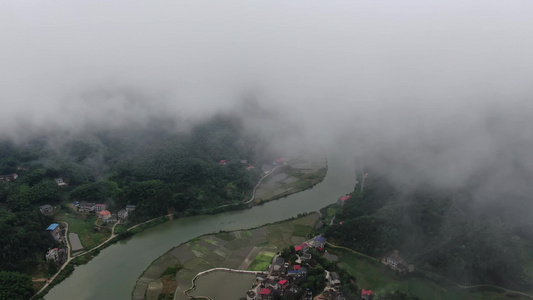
[[493, 286], [70, 258], [67, 241], [266, 175], [353, 251], [458, 285]]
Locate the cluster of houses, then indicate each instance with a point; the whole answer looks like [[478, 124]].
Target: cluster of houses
[[9, 177], [283, 279], [103, 214], [343, 199]]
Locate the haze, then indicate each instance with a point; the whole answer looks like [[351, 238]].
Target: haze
[[444, 87]]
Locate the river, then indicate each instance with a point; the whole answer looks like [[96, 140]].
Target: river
[[113, 273]]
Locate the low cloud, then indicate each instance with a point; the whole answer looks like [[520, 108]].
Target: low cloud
[[443, 88]]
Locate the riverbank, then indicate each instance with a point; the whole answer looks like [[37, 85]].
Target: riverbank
[[84, 257], [228, 282], [303, 173], [241, 249], [114, 272], [374, 275], [295, 176]]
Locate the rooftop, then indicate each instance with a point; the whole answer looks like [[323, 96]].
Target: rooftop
[[300, 247], [52, 226], [366, 292], [265, 291]]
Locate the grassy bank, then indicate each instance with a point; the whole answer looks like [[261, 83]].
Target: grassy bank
[[86, 257], [303, 174], [83, 224], [250, 249], [379, 278]]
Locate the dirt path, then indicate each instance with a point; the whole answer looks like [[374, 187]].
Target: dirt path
[[493, 286], [456, 284], [70, 258], [67, 241], [353, 251], [249, 258], [266, 175]]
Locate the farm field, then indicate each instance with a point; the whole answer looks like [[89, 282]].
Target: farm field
[[377, 277], [243, 249], [83, 225], [309, 170]]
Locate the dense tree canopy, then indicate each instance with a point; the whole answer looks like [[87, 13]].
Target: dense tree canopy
[[430, 231], [15, 286], [156, 168]]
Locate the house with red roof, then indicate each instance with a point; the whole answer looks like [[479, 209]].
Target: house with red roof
[[301, 247], [281, 160], [265, 294], [367, 294], [343, 199], [283, 283], [104, 214], [222, 162]]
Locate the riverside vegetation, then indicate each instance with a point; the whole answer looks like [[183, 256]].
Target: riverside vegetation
[[160, 170], [437, 230]]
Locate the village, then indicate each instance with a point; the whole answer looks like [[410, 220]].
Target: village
[[58, 230], [285, 280]]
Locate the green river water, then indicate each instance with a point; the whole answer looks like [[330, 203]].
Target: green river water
[[113, 273]]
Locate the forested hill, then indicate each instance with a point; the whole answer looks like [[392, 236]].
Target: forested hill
[[438, 230], [158, 169]]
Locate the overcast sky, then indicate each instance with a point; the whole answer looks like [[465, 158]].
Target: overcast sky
[[408, 74]]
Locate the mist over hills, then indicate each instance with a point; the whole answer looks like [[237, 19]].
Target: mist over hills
[[425, 94]]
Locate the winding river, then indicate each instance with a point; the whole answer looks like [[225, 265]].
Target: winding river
[[113, 273]]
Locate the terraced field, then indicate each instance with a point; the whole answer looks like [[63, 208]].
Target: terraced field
[[244, 249]]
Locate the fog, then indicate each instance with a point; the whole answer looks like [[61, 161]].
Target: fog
[[444, 88]]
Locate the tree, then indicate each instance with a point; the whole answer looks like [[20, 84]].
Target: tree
[[15, 286]]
